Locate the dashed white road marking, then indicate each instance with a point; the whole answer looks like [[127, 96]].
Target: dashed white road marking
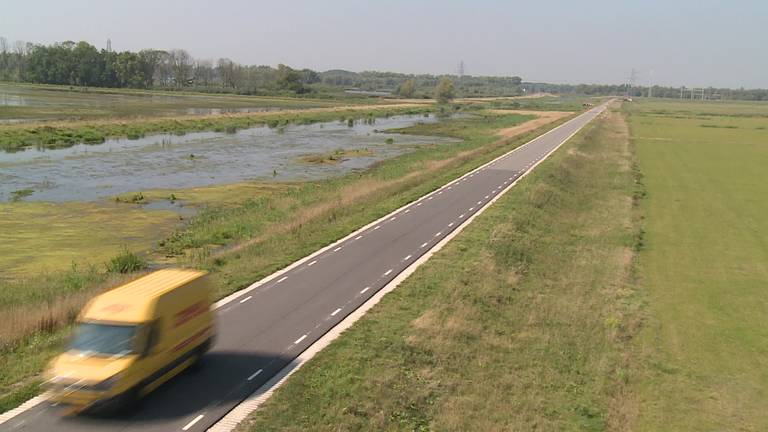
[[358, 237], [282, 279], [393, 218], [312, 263], [430, 198], [461, 216], [255, 374], [418, 204], [246, 299], [300, 339], [424, 245], [377, 227], [439, 193], [439, 234], [192, 423], [335, 312], [486, 197], [407, 258], [407, 210], [479, 202], [337, 249], [386, 273], [450, 224], [471, 208], [448, 188], [364, 290]]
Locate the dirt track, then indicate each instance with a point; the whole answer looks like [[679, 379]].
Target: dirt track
[[542, 118]]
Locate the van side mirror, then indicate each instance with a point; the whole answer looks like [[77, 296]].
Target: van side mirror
[[152, 335]]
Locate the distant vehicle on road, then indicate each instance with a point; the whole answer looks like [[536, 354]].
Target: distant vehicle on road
[[130, 340]]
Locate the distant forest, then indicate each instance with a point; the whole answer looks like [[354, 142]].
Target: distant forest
[[82, 64]]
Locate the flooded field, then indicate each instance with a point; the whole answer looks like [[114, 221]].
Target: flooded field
[[91, 172], [22, 103]]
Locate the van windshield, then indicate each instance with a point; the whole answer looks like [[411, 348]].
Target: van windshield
[[103, 339]]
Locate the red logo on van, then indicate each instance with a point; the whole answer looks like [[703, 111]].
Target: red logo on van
[[116, 308], [190, 313]]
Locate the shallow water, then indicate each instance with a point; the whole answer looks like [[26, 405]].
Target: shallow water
[[89, 172]]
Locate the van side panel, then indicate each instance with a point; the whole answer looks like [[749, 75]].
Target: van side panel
[[185, 322]]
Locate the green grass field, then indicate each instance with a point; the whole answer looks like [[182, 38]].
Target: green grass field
[[705, 265], [522, 322]]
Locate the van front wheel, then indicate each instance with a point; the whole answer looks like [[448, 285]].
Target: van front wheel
[[197, 357]]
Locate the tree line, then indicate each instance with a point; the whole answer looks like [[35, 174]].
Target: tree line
[[709, 93], [82, 64]]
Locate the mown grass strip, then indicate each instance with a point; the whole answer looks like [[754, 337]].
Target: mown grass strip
[[521, 323], [705, 266]]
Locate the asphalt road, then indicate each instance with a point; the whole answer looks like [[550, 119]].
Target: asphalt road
[[261, 332]]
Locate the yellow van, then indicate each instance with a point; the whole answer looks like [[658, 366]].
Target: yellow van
[[131, 339]]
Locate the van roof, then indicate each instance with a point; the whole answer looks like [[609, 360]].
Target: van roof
[[133, 301]]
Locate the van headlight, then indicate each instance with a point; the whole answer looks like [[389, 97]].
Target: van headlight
[[108, 383]]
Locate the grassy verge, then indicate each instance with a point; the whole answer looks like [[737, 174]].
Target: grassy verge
[[522, 322], [255, 229], [705, 265]]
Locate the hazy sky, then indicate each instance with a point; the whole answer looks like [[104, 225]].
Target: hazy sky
[[692, 43]]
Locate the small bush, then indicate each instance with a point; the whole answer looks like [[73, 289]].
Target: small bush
[[126, 262]]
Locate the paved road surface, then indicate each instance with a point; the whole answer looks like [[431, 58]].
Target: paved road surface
[[263, 331]]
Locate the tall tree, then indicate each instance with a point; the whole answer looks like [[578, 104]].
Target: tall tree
[[288, 78], [444, 92], [148, 64], [407, 88], [181, 66]]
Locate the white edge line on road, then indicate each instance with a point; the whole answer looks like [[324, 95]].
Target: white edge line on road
[[192, 423], [250, 404], [246, 299], [263, 393], [28, 405]]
